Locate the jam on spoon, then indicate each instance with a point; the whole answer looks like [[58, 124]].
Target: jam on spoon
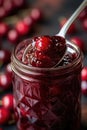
[[45, 51]]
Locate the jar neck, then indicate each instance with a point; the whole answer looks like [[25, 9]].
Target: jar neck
[[26, 72]]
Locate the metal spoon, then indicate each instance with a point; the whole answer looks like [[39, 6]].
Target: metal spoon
[[66, 26], [64, 29]]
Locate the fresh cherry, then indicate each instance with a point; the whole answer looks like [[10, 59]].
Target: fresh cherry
[[3, 29], [84, 73], [1, 2], [79, 42], [85, 24], [36, 14], [7, 101], [8, 6], [4, 56], [13, 36], [2, 12], [43, 43], [4, 115], [5, 81], [83, 14], [72, 28], [8, 69], [84, 87], [22, 28], [28, 21], [18, 3]]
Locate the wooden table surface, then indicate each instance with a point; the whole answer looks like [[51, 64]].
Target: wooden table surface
[[53, 10]]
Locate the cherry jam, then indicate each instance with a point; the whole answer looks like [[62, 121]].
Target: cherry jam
[[47, 98]]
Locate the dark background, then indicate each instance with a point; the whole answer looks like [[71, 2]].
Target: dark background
[[53, 10]]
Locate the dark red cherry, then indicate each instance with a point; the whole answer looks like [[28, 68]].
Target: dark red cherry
[[84, 24], [13, 36], [3, 29], [2, 12], [5, 81], [36, 14], [4, 56], [84, 73], [28, 21], [43, 43], [18, 3], [4, 115], [8, 69], [83, 14], [1, 2], [22, 28], [8, 5], [79, 42], [7, 101], [84, 87]]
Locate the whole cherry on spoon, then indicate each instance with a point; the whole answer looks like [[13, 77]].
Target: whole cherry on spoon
[[49, 51]]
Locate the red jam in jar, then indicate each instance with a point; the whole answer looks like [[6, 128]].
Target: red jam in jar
[[47, 97]]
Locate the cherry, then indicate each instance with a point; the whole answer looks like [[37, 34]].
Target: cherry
[[28, 21], [85, 24], [84, 73], [7, 101], [36, 14], [8, 6], [4, 115], [4, 56], [83, 14], [2, 12], [43, 43], [8, 69], [84, 87], [13, 36], [22, 28], [18, 3], [1, 2], [72, 28], [79, 42], [3, 29], [5, 81]]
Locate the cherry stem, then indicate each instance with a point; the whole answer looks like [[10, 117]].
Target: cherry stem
[[66, 26]]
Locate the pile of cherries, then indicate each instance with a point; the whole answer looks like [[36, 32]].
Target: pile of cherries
[[13, 27], [6, 109], [23, 26], [84, 81], [8, 6]]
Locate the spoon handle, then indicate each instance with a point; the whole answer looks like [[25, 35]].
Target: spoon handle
[[66, 26]]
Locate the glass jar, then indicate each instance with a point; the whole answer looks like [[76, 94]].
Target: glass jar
[[47, 98]]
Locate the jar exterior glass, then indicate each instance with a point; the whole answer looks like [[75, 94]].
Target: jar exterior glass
[[47, 99]]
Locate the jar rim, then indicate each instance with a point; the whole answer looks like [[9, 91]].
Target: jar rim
[[28, 68]]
